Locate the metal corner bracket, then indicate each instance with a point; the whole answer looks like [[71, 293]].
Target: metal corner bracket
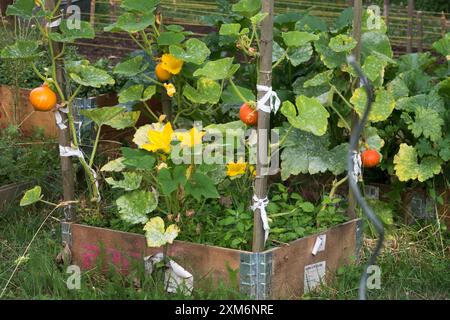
[[256, 274], [359, 238], [66, 233]]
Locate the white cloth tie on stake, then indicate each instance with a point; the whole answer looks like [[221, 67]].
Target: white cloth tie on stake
[[58, 116], [270, 97], [66, 151], [261, 204], [357, 172]]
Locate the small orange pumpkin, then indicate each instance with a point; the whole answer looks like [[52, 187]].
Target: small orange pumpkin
[[43, 98], [161, 74]]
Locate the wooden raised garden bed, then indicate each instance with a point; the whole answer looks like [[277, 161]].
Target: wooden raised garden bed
[[275, 273], [11, 192]]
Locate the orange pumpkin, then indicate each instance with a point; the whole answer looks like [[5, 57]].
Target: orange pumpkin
[[43, 98], [161, 74]]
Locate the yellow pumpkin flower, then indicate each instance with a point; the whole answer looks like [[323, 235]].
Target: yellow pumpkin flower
[[159, 139], [170, 88], [171, 64], [236, 168], [252, 170], [190, 138]]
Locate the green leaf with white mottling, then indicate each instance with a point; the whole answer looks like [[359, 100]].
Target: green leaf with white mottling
[[102, 115], [298, 55], [342, 43], [115, 165], [382, 107], [124, 120], [216, 70], [196, 51], [134, 206], [31, 196], [319, 79], [131, 67], [208, 91], [428, 123], [131, 181], [407, 167], [247, 8], [298, 38], [309, 115]]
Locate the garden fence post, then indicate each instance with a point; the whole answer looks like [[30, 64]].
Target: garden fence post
[[264, 79], [443, 24], [92, 14], [410, 26], [64, 140], [351, 211], [386, 12], [419, 31]]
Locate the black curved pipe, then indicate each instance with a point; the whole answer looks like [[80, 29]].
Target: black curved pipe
[[354, 147]]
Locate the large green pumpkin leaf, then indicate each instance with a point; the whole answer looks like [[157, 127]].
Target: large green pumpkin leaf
[[330, 58], [407, 167], [375, 41], [382, 107], [230, 29], [342, 43], [310, 154], [443, 46], [134, 206], [124, 120], [157, 235], [131, 22], [208, 91], [70, 34], [216, 70], [229, 95], [196, 51], [21, 49], [298, 55], [136, 92], [309, 115], [311, 24], [137, 159], [102, 115], [86, 75], [31, 196], [200, 185], [115, 165], [298, 38], [428, 123], [169, 38], [247, 8], [131, 67], [319, 79], [131, 181], [21, 8], [373, 67], [171, 181], [143, 6], [373, 139]]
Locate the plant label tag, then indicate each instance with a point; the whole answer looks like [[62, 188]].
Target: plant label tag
[[372, 192], [319, 245], [314, 276]]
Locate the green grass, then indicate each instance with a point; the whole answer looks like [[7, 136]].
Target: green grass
[[412, 265]]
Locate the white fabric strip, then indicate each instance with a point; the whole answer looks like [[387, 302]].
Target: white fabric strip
[[357, 172], [261, 204], [270, 97], [76, 152], [58, 117]]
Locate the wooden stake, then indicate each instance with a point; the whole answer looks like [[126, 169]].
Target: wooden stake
[[64, 139], [419, 31], [443, 24], [386, 12], [357, 21], [410, 35], [92, 14], [262, 165]]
